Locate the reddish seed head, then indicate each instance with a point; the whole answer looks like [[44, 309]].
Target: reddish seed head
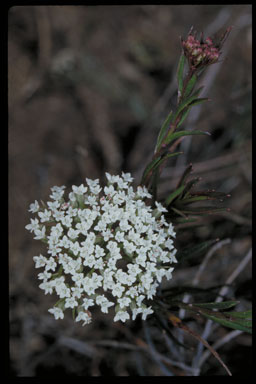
[[201, 53]]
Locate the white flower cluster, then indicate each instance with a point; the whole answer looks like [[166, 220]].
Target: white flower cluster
[[105, 247]]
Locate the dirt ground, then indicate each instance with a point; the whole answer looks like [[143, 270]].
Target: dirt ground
[[88, 89]]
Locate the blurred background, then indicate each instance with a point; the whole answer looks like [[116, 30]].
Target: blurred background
[[88, 89]]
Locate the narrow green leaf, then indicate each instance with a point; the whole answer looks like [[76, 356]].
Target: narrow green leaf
[[218, 317], [217, 305], [185, 114], [188, 101], [198, 101], [243, 322], [156, 163], [195, 250], [185, 175], [180, 72], [212, 194], [190, 184], [163, 131], [190, 86], [194, 199], [174, 194], [203, 210], [149, 168], [227, 323], [241, 315], [184, 220], [155, 181], [179, 213], [173, 136]]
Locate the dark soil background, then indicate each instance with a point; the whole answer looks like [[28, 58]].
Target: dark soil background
[[88, 88]]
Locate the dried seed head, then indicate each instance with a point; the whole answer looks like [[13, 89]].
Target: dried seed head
[[202, 53]]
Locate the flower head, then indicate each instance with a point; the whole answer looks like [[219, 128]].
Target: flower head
[[105, 247], [202, 52]]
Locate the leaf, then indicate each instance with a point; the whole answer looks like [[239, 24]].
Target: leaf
[[149, 168], [190, 184], [185, 175], [186, 103], [241, 315], [203, 210], [173, 136], [199, 101], [174, 194], [180, 71], [185, 114], [196, 250], [212, 194], [179, 213], [217, 305], [190, 86], [155, 181], [194, 199], [163, 131], [223, 318], [155, 164]]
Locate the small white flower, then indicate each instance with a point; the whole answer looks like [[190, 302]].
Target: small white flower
[[110, 191], [119, 236], [91, 200], [143, 192], [84, 317], [122, 315], [70, 302], [34, 207], [72, 233], [58, 215], [134, 269], [160, 207], [47, 287], [104, 303], [112, 179], [168, 273], [40, 261], [76, 291], [135, 312], [67, 221], [88, 303], [75, 248], [62, 291], [117, 290], [53, 205], [146, 312], [127, 177], [50, 264], [45, 215], [79, 190], [89, 261], [33, 226], [64, 242], [44, 276], [39, 233], [57, 194], [57, 312], [124, 302]]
